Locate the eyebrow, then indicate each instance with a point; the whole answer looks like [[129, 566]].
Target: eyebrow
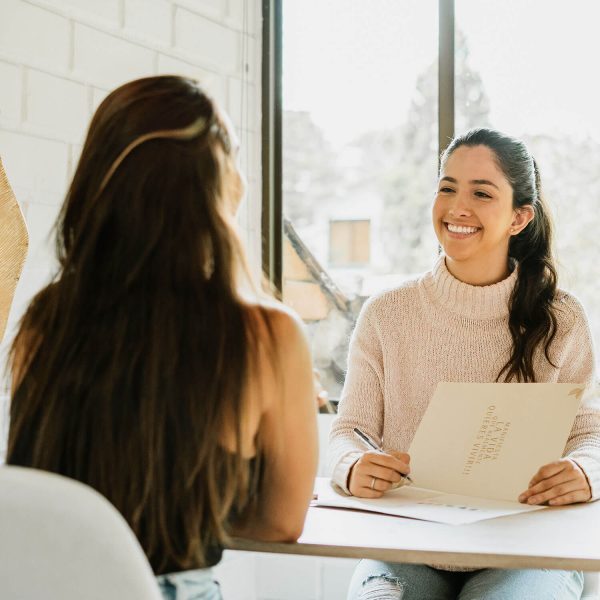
[[474, 181]]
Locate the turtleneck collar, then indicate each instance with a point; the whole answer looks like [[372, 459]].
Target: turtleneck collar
[[472, 301]]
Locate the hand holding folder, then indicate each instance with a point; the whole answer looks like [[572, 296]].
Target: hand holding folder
[[475, 451]]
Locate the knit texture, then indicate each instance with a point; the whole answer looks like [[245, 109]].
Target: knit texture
[[437, 328]]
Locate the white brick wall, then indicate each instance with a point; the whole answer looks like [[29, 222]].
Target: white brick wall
[[31, 35], [150, 19], [196, 37], [107, 11], [56, 106], [10, 92], [108, 60]]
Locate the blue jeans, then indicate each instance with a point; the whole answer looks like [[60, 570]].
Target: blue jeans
[[398, 581], [189, 585]]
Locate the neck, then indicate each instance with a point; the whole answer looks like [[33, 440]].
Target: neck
[[478, 273]]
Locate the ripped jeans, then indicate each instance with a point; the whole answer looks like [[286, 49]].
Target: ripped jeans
[[374, 580]]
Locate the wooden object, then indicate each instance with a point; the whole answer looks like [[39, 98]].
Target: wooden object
[[13, 247]]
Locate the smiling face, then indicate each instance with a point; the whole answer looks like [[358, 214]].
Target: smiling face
[[473, 215]]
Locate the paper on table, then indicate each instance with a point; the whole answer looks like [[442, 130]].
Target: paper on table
[[489, 439], [419, 503], [475, 450]]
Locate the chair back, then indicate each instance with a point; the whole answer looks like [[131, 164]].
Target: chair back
[[62, 540]]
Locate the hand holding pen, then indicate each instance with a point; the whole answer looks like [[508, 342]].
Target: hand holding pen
[[377, 471]]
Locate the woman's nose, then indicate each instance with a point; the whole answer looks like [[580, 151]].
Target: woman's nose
[[460, 206]]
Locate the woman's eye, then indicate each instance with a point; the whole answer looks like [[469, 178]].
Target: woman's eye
[[481, 194], [446, 190]]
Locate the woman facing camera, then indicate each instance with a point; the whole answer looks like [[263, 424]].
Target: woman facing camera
[[488, 311], [144, 369]]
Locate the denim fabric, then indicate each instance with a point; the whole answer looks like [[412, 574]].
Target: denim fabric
[[374, 580], [189, 585]]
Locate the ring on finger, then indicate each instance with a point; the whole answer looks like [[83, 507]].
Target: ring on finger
[[373, 483]]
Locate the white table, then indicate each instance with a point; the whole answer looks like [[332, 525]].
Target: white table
[[554, 538]]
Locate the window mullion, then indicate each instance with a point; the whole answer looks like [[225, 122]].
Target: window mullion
[[445, 74], [272, 185]]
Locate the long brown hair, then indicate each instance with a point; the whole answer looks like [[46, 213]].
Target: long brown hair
[[531, 321], [137, 355]]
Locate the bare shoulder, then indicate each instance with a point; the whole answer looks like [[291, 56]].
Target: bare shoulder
[[277, 325], [283, 356]]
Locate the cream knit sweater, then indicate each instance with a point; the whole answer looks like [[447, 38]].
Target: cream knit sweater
[[437, 328]]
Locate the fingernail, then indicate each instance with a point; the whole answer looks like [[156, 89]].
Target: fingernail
[[532, 500], [522, 497]]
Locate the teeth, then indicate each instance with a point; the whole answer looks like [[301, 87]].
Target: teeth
[[459, 229]]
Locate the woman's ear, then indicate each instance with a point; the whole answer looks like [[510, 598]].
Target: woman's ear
[[522, 217]]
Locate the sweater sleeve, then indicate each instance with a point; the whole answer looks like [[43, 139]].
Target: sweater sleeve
[[361, 403], [578, 366]]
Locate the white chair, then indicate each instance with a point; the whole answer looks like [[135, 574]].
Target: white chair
[[61, 540]]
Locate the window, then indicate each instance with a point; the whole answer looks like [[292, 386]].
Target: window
[[359, 129], [360, 139]]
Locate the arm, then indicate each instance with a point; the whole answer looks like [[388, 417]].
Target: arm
[[583, 445], [576, 477], [365, 474], [288, 437]]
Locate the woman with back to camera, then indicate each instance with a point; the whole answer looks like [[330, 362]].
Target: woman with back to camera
[[488, 311], [144, 370]]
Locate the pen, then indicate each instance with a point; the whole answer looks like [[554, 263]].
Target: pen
[[367, 441]]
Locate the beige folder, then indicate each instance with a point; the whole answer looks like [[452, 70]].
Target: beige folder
[[474, 452], [489, 439], [13, 247]]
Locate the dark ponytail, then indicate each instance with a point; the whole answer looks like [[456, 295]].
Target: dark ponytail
[[531, 320]]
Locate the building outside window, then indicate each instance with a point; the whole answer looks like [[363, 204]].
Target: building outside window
[[350, 243]]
